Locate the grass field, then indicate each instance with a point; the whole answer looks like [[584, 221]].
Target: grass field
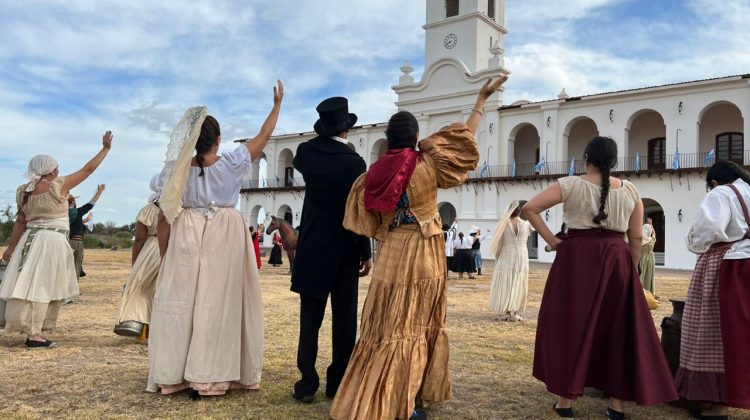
[[96, 374]]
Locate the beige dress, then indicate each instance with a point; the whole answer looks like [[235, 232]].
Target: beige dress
[[138, 294], [206, 329], [402, 351], [510, 281], [36, 283]]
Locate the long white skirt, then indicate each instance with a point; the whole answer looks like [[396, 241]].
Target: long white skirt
[[510, 281], [48, 277], [138, 295], [207, 320]]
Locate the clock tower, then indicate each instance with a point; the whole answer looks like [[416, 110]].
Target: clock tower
[[465, 30]]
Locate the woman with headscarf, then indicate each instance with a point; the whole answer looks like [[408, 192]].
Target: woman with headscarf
[[402, 352], [207, 316], [138, 294], [594, 327], [41, 274], [510, 281], [714, 363], [647, 263]]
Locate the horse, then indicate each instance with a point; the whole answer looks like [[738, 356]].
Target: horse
[[288, 237]]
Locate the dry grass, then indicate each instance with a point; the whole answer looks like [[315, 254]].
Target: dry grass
[[95, 374]]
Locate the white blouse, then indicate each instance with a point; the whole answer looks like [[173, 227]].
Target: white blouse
[[720, 219], [463, 244], [221, 182]]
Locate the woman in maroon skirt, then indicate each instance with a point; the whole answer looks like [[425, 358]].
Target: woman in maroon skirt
[[594, 328], [714, 361]]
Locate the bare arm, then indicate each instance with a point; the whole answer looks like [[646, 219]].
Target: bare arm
[[99, 190], [88, 218], [141, 234], [550, 197], [635, 231], [485, 92], [258, 143], [74, 179], [18, 228], [163, 230]]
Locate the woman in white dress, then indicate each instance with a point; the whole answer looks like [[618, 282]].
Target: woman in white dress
[[510, 281], [207, 319], [138, 294], [41, 274]]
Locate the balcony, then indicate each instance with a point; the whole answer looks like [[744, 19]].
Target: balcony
[[271, 185], [688, 162]]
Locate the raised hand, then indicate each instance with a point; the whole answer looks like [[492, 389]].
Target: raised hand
[[278, 93], [491, 86], [100, 188], [107, 139]]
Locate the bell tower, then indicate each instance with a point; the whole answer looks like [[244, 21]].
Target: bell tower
[[466, 30]]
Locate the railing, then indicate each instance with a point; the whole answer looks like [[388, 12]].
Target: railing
[[629, 164]]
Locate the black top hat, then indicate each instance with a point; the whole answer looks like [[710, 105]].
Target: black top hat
[[334, 116]]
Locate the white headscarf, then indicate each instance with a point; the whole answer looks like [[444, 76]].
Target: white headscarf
[[496, 243], [39, 166], [156, 184]]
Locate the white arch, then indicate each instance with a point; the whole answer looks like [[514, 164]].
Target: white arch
[[639, 113], [379, 148], [717, 103], [447, 212], [284, 162], [575, 147]]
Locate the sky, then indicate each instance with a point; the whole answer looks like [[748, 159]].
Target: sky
[[71, 70]]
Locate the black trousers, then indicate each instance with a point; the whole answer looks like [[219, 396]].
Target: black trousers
[[344, 329]]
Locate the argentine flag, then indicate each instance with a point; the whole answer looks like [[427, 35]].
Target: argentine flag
[[539, 166], [676, 159], [709, 157], [513, 169], [485, 170], [278, 181], [637, 161], [572, 169]]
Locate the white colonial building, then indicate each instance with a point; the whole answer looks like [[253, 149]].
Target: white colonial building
[[664, 135]]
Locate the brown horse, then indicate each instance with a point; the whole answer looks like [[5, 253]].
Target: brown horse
[[288, 237]]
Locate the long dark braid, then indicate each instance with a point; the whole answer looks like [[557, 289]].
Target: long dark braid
[[602, 153], [210, 130]]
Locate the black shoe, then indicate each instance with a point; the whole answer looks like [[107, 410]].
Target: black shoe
[[194, 394], [306, 399], [46, 344], [614, 414], [566, 413], [83, 274], [418, 415], [703, 417]]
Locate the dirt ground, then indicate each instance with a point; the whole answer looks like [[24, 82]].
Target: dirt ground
[[96, 374]]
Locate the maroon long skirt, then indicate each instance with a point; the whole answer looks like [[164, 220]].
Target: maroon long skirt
[[734, 301], [595, 329]]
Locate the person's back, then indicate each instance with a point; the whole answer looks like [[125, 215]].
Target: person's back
[[582, 198]]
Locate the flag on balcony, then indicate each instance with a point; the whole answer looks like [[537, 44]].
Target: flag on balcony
[[513, 169], [485, 170], [676, 159], [709, 157], [539, 166], [278, 181], [637, 161], [572, 169]]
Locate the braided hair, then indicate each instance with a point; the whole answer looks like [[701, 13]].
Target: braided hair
[[210, 130], [726, 172], [601, 152]]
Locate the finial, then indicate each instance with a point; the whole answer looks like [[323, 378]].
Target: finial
[[563, 94]]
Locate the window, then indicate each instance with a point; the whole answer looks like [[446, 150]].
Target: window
[[451, 8], [657, 153], [730, 146], [491, 9]]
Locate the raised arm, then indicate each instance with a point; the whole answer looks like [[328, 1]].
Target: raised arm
[[74, 179], [88, 218], [485, 92], [258, 143], [550, 197], [99, 190]]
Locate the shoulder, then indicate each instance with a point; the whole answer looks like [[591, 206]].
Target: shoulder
[[630, 188]]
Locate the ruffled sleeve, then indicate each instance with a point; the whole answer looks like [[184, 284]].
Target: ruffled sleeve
[[356, 218], [632, 190], [709, 227], [55, 189], [566, 185], [453, 153], [148, 215], [238, 160]]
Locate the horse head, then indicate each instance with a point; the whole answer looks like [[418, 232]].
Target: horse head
[[274, 225]]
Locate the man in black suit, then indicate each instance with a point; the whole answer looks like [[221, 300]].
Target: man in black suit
[[329, 259]]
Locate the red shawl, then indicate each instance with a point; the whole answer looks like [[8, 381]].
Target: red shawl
[[388, 178]]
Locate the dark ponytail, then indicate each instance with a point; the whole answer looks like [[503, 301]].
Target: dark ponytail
[[601, 152], [210, 130], [726, 172]]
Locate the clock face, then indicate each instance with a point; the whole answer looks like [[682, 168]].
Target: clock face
[[450, 41]]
